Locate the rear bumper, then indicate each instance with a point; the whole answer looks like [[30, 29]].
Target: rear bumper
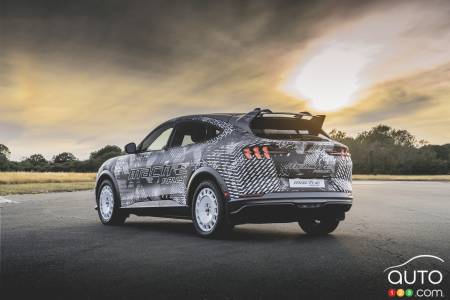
[[289, 207]]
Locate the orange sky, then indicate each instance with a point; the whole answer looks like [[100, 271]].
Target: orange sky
[[74, 78]]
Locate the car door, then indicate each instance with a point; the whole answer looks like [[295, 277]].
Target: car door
[[150, 167], [184, 153]]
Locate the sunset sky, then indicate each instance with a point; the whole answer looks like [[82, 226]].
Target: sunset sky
[[77, 75]]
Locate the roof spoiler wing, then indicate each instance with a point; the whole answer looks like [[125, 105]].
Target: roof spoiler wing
[[313, 122], [245, 120]]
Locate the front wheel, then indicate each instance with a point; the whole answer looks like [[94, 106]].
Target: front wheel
[[108, 205], [208, 210], [318, 226]]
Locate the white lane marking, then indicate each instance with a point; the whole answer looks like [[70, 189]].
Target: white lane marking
[[361, 182], [4, 200]]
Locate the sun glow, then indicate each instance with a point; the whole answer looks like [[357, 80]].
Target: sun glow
[[331, 78], [342, 64]]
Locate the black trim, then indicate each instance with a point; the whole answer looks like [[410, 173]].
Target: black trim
[[236, 209], [300, 196], [209, 171], [110, 176], [270, 208], [182, 212], [289, 207]]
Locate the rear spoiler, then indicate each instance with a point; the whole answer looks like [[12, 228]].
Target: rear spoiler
[[305, 119]]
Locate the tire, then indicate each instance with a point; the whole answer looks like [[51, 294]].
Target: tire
[[208, 211], [317, 227], [108, 204]]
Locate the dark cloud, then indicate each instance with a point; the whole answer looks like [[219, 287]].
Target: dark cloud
[[418, 103], [80, 74], [163, 36], [427, 90], [396, 102]]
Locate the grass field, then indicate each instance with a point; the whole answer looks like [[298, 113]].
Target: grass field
[[36, 188], [35, 182], [402, 177], [44, 177]]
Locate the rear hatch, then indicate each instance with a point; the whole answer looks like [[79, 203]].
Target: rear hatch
[[304, 157]]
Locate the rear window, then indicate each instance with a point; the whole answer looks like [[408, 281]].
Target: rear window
[[279, 127]]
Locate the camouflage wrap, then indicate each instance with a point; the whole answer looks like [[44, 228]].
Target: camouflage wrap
[[165, 174]]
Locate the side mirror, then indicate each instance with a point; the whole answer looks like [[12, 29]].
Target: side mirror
[[130, 148]]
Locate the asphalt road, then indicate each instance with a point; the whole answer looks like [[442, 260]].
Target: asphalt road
[[53, 246]]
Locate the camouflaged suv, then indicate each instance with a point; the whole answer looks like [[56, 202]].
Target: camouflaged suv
[[225, 169]]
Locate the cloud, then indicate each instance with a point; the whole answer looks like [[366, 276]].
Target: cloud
[[419, 103], [377, 46], [10, 131], [393, 103], [78, 75]]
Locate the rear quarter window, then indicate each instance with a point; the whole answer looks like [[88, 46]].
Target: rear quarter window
[[194, 132]]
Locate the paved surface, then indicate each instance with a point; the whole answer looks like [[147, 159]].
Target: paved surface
[[53, 246]]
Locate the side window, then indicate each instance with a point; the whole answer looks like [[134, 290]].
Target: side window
[[193, 132], [212, 131], [187, 140], [158, 140]]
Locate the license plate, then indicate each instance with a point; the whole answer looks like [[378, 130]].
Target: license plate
[[306, 183]]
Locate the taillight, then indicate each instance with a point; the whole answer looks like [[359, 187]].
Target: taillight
[[247, 153], [257, 152], [266, 152], [339, 151]]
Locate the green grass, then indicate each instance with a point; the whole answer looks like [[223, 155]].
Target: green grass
[[36, 188]]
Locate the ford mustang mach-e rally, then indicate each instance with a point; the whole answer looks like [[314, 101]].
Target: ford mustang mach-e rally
[[225, 169]]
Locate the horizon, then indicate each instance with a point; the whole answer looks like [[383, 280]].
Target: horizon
[[51, 156], [81, 76]]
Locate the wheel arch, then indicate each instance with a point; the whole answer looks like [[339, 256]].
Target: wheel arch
[[106, 174], [198, 176]]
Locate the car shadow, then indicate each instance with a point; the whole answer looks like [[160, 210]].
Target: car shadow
[[247, 232], [252, 234], [175, 226]]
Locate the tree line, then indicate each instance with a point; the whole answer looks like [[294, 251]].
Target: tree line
[[62, 162], [380, 150], [385, 150]]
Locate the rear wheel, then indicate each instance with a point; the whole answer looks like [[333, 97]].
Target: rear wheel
[[108, 205], [315, 226], [208, 210]]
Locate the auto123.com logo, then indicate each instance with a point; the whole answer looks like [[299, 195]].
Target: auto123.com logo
[[410, 279]]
